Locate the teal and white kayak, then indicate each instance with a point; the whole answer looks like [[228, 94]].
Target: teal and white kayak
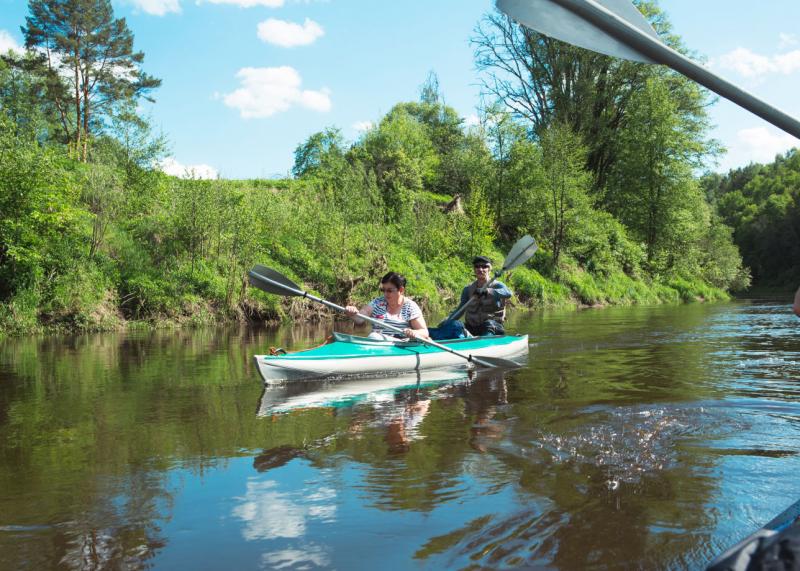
[[351, 356]]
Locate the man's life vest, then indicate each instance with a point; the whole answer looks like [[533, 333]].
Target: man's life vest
[[489, 306]]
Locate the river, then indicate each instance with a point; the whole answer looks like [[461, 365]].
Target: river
[[638, 437]]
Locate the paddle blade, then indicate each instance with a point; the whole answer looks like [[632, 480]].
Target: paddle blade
[[520, 253], [272, 281], [553, 19]]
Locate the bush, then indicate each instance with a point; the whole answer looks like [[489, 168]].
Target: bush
[[20, 315], [533, 289]]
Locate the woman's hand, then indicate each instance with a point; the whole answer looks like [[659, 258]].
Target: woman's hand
[[357, 315], [410, 333]]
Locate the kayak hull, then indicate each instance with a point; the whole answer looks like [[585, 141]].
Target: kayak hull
[[350, 356]]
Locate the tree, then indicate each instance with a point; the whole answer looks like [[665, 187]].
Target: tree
[[322, 150], [88, 59], [545, 81], [403, 158], [566, 187], [515, 170], [41, 223], [651, 189], [445, 130], [23, 99]]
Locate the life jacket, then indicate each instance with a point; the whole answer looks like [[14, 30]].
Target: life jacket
[[485, 307]]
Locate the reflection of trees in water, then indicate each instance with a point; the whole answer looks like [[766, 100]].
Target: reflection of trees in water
[[118, 531], [81, 416]]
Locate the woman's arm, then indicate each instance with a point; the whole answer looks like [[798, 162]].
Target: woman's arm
[[354, 313], [418, 328]]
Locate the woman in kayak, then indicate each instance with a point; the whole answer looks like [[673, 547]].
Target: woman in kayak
[[394, 308]]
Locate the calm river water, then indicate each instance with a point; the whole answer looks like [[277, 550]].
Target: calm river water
[[635, 438]]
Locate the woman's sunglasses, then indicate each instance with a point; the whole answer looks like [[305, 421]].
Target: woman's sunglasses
[[387, 289]]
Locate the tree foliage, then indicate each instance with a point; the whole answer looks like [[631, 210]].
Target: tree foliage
[[544, 81], [762, 204], [87, 61], [592, 156]]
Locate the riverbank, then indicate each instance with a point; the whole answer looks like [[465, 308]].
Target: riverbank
[[575, 288]]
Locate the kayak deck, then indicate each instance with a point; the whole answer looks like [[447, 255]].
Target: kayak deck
[[348, 356]]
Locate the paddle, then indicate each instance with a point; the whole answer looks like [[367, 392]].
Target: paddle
[[272, 281], [616, 28], [520, 253]]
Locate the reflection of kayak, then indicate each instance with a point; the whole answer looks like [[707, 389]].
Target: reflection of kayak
[[349, 356], [342, 393], [774, 546]]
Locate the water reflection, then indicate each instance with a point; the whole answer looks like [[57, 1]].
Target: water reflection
[[269, 513], [634, 438], [277, 399]]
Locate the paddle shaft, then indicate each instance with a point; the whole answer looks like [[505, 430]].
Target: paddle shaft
[[617, 27], [377, 322]]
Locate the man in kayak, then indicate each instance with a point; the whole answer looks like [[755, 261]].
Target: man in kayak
[[487, 299], [394, 308]]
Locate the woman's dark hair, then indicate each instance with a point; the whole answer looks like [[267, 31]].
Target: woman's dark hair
[[397, 280]]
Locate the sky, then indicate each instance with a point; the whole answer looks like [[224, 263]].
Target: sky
[[246, 81]]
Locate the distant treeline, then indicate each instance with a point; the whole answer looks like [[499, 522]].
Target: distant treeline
[[592, 156], [762, 203]]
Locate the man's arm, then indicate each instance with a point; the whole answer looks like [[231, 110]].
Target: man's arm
[[500, 290], [464, 296]]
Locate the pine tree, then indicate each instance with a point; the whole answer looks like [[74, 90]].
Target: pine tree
[[87, 56]]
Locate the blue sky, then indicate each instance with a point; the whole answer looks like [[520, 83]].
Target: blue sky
[[246, 81]]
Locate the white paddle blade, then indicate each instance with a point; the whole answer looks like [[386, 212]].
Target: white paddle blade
[[551, 18], [520, 253]]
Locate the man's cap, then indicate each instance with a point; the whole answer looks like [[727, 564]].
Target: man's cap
[[480, 261]]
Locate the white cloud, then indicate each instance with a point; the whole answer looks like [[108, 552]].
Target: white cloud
[[248, 3], [757, 144], [787, 40], [289, 34], [752, 65], [362, 126], [158, 7], [7, 42], [788, 63], [172, 167], [269, 90], [472, 120]]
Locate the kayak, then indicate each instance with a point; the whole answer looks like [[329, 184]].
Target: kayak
[[351, 356], [774, 546]]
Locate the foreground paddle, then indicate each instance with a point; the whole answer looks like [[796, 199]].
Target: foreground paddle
[[272, 281], [616, 28], [520, 253]]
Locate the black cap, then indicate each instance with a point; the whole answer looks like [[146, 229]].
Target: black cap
[[481, 261]]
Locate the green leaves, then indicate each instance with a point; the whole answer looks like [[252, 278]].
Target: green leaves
[[762, 204], [40, 217], [85, 49]]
